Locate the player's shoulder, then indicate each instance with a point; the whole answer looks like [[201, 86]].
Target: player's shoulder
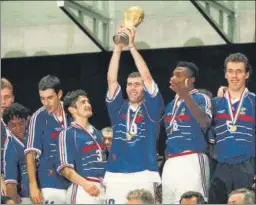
[[200, 96], [251, 95], [39, 113]]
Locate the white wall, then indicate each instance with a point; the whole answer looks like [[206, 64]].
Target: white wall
[[39, 27]]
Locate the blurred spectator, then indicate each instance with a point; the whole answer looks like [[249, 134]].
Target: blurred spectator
[[192, 197], [107, 133], [140, 196], [241, 196]]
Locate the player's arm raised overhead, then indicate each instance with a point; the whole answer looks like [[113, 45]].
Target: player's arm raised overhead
[[139, 61], [113, 70]]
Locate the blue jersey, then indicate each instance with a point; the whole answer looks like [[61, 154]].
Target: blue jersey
[[15, 167], [234, 143], [81, 150], [182, 129], [44, 129], [3, 138], [135, 132]]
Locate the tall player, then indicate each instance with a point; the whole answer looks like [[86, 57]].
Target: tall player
[[186, 119], [15, 170], [132, 162], [234, 127], [7, 98], [45, 185], [81, 158]]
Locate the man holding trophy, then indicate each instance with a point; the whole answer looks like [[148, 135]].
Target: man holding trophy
[[132, 162]]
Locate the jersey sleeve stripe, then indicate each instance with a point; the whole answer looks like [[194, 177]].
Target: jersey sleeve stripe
[[4, 154], [108, 99], [10, 181], [31, 132]]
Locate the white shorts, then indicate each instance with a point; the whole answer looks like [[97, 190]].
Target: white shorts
[[77, 195], [26, 200], [54, 196], [188, 171], [118, 185]]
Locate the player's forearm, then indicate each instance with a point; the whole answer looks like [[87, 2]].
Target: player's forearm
[[73, 176], [31, 168], [113, 67], [11, 191], [142, 67], [201, 117]]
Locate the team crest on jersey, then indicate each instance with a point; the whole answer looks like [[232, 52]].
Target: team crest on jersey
[[182, 112], [50, 172], [243, 111]]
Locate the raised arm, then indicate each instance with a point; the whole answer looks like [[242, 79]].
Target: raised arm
[[139, 61], [113, 70]]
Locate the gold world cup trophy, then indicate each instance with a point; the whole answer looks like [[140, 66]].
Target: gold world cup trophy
[[132, 17]]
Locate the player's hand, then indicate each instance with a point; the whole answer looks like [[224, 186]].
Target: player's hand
[[221, 91], [179, 87], [91, 189], [130, 31], [35, 194]]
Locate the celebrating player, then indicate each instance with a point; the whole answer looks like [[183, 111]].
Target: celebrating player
[[15, 169], [234, 127], [45, 126], [186, 118], [81, 158], [132, 162]]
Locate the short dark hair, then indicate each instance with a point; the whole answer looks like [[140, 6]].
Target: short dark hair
[[15, 110], [134, 75], [49, 82], [71, 98], [190, 194], [239, 58], [191, 66]]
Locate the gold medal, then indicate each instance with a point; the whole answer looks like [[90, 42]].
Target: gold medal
[[128, 136], [233, 128], [171, 131]]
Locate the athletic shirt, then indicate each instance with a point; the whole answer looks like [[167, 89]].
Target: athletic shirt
[[182, 129], [44, 129], [82, 150], [137, 153], [15, 166], [3, 139], [234, 146]]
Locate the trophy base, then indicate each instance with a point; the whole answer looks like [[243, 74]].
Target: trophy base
[[121, 39]]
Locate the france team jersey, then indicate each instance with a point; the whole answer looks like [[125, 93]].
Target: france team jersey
[[15, 167], [137, 151], [81, 150], [182, 129], [43, 135], [234, 144]]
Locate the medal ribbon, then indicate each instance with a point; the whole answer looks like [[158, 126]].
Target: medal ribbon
[[176, 106], [64, 123], [76, 125], [234, 114], [130, 122]]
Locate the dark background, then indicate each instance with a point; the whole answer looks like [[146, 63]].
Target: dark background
[[88, 71]]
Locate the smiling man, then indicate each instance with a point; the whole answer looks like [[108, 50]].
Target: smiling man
[[234, 128], [45, 185], [132, 162]]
